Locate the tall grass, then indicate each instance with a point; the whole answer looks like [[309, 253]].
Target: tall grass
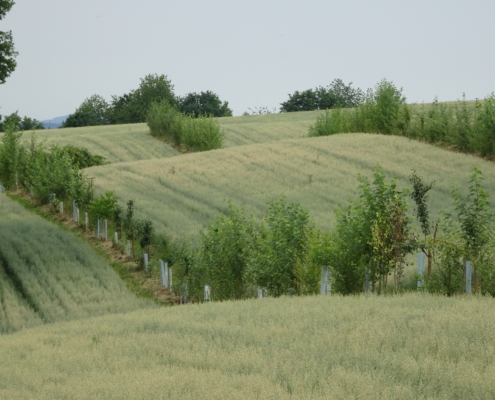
[[47, 275], [364, 347]]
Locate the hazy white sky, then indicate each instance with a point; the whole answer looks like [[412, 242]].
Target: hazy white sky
[[251, 53]]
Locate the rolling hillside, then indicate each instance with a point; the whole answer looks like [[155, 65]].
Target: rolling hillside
[[117, 143], [181, 194]]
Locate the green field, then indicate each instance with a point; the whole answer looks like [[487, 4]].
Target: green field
[[408, 347], [70, 329], [49, 275], [181, 194]]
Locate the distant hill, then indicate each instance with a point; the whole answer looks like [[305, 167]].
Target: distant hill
[[54, 123]]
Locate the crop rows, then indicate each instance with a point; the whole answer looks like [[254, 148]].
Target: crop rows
[[47, 275], [317, 347], [181, 194]]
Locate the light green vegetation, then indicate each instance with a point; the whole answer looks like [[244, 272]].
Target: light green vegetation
[[181, 194], [117, 143], [364, 347], [266, 128], [48, 275]]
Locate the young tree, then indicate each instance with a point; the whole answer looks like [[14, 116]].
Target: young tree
[[7, 49], [419, 194]]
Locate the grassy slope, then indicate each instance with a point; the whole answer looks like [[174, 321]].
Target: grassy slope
[[181, 194], [407, 347], [48, 275], [118, 143]]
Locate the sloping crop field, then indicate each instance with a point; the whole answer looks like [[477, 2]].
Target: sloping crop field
[[117, 143], [408, 347], [267, 128], [181, 194], [49, 275]]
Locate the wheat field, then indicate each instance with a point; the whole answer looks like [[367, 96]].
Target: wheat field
[[49, 275], [181, 194], [407, 347], [117, 143]]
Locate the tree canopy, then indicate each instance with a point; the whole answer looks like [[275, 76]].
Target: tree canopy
[[132, 107], [24, 124], [93, 111], [321, 98], [204, 103], [7, 49]]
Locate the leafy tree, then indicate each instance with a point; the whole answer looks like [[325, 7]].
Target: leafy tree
[[204, 103], [281, 248], [104, 205], [224, 254], [134, 106], [24, 124], [321, 98], [92, 112], [7, 49], [372, 236]]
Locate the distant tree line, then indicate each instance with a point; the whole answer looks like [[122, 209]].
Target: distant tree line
[[23, 124], [323, 98], [133, 107]]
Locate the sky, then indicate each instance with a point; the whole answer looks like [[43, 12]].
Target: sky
[[251, 53]]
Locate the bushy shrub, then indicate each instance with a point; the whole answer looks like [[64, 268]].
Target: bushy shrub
[[202, 133], [83, 158], [194, 134]]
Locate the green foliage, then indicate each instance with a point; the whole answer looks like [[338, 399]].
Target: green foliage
[[336, 121], [194, 134], [166, 122], [24, 124], [335, 94], [205, 103], [281, 248], [484, 140], [104, 205], [83, 158], [202, 134], [419, 194], [448, 275], [372, 236], [146, 233], [92, 112], [134, 106], [384, 110], [7, 49], [224, 254], [10, 155], [474, 217]]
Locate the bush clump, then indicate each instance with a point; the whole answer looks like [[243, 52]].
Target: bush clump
[[194, 134]]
